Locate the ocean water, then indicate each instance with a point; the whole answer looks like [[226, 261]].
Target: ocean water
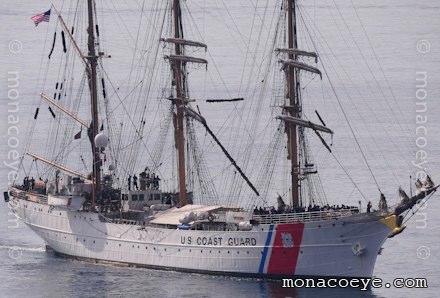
[[405, 38]]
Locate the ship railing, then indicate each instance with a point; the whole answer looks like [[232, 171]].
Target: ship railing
[[122, 221], [231, 216], [29, 196], [304, 216], [42, 199]]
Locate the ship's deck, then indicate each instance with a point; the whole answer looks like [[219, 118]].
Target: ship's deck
[[312, 216]]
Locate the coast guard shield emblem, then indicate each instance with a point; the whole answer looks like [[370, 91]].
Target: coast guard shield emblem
[[287, 240]]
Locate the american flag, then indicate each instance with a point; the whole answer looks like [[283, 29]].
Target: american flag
[[41, 17]]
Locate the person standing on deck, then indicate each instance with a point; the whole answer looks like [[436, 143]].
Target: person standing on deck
[[369, 207], [135, 182]]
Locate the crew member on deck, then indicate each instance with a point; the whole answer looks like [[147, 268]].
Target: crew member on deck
[[156, 180], [129, 182], [147, 177], [135, 182], [369, 207], [26, 183]]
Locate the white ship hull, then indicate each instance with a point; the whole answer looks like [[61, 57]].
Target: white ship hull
[[329, 248]]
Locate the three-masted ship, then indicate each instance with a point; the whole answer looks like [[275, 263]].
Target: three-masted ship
[[88, 217]]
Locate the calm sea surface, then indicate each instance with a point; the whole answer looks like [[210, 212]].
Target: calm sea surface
[[405, 36]]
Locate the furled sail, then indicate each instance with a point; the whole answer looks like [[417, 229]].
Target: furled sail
[[298, 53], [419, 185], [196, 116], [184, 42], [407, 203], [305, 123], [186, 59], [300, 65]]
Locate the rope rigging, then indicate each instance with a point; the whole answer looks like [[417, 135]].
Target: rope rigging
[[365, 102], [138, 116]]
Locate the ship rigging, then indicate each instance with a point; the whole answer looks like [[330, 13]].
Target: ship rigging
[[117, 205]]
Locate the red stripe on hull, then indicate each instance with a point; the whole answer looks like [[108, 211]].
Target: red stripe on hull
[[285, 249]]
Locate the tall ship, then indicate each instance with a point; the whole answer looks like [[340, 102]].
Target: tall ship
[[87, 202]]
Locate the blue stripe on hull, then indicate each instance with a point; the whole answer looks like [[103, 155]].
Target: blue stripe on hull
[[266, 248]]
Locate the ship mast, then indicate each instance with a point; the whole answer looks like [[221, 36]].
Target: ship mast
[[180, 107], [93, 130], [294, 104]]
